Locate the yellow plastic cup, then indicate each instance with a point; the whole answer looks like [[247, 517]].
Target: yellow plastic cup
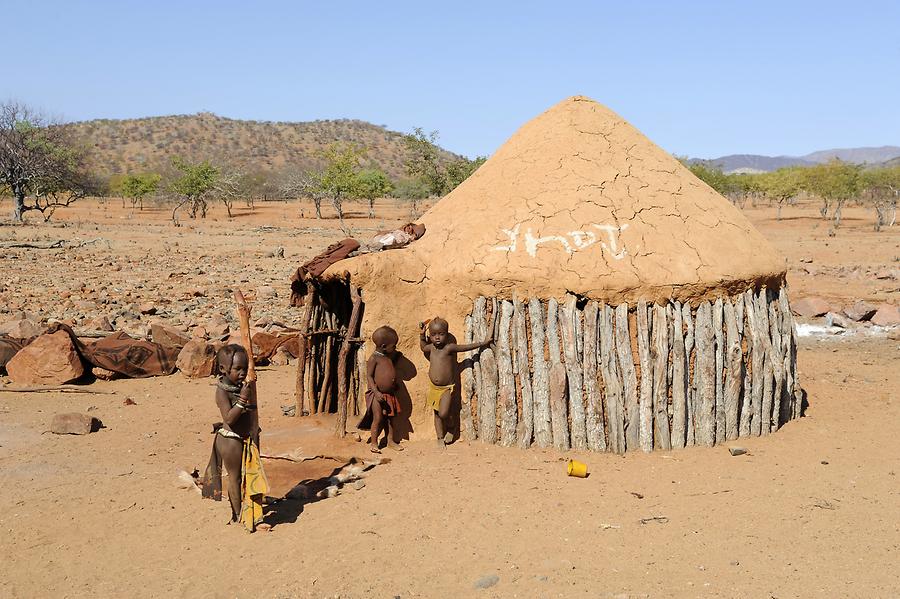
[[576, 468]]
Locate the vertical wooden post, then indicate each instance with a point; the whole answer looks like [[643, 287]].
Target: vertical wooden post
[[689, 381], [543, 434], [636, 421], [719, 331], [762, 317], [466, 423], [594, 422], [704, 372], [487, 396], [559, 422], [506, 385], [303, 341], [777, 358], [615, 416], [660, 355], [343, 396], [478, 331], [569, 321], [525, 430], [757, 359], [646, 396], [679, 379], [734, 372]]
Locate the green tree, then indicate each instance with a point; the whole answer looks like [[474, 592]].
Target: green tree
[[423, 160], [711, 175], [193, 185], [38, 159], [137, 187], [460, 170], [835, 183], [372, 183], [882, 186], [338, 180], [782, 185]]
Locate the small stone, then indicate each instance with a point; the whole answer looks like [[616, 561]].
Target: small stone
[[281, 358], [832, 319], [886, 315], [217, 327], [21, 328], [737, 450], [486, 582], [199, 332], [99, 324], [74, 423], [358, 484], [266, 292], [103, 374], [810, 307], [147, 308], [860, 310]]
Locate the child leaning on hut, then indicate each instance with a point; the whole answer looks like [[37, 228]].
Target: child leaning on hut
[[236, 445], [433, 339]]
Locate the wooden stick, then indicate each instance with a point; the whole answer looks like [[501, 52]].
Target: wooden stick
[[762, 315], [596, 435], [506, 385], [679, 379], [468, 391], [525, 430], [689, 381], [660, 355], [734, 372], [325, 389], [757, 358], [615, 408], [243, 309], [487, 394], [55, 389], [646, 393], [740, 314], [790, 354], [540, 383], [704, 372], [719, 331], [343, 396], [302, 350], [778, 369], [569, 318], [558, 419]]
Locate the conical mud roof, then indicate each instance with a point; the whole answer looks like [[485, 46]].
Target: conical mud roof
[[577, 201]]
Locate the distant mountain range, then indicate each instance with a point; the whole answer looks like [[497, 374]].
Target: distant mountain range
[[755, 163]]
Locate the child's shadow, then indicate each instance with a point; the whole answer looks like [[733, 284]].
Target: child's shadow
[[406, 371], [287, 509]]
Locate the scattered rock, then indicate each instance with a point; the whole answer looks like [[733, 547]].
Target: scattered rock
[[833, 319], [737, 450], [129, 402], [197, 359], [860, 310], [266, 292], [280, 358], [217, 327], [103, 374], [74, 423], [22, 328], [806, 260], [359, 484], [888, 274], [99, 324], [887, 315], [48, 360], [168, 336], [894, 334], [147, 308], [486, 582], [199, 332], [810, 307], [184, 480]]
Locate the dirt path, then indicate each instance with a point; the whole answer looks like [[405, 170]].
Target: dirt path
[[809, 511]]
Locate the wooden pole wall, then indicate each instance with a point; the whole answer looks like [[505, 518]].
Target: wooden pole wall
[[584, 375]]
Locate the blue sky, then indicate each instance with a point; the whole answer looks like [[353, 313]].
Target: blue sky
[[698, 78]]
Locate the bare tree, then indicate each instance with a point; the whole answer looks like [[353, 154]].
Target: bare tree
[[39, 160], [299, 184]]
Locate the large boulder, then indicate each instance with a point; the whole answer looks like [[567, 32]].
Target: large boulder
[[810, 307], [197, 359], [48, 360], [887, 315]]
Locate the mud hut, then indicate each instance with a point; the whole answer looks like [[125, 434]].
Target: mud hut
[[633, 306]]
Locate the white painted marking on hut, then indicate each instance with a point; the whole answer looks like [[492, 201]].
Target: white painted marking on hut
[[571, 242]]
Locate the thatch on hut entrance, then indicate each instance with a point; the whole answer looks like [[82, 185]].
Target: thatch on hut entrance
[[634, 307]]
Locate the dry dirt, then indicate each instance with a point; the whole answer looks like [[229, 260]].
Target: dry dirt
[[810, 511]]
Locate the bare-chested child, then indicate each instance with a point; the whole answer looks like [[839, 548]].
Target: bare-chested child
[[239, 429], [433, 339], [382, 406]]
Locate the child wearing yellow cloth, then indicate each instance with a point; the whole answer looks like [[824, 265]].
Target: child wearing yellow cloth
[[434, 342], [237, 442]]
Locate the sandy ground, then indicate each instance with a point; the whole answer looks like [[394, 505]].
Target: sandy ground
[[810, 511]]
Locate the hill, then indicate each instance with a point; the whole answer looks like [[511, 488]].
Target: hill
[[148, 144], [754, 163]]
